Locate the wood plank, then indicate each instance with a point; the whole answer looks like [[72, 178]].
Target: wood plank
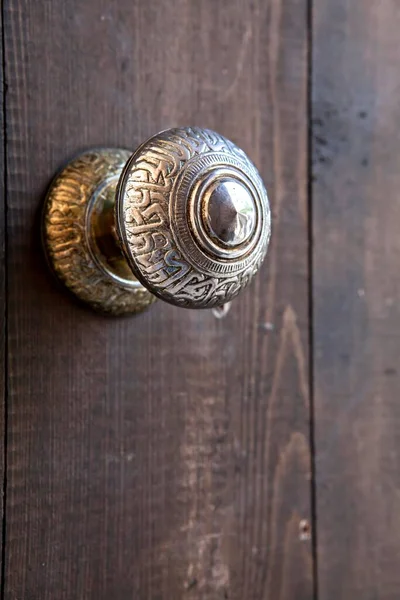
[[357, 297], [165, 456], [3, 319]]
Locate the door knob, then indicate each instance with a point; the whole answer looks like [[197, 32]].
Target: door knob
[[185, 218]]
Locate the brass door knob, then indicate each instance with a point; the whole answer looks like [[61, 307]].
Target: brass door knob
[[185, 218]]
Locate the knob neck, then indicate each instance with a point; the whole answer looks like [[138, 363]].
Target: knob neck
[[102, 234]]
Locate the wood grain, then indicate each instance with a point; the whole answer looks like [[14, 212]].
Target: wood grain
[[3, 324], [165, 456], [357, 297]]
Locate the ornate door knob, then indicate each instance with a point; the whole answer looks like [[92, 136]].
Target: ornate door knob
[[185, 218]]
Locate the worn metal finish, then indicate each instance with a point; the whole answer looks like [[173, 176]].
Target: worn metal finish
[[186, 216]]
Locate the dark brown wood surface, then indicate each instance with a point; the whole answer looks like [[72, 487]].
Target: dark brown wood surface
[[3, 335], [165, 456], [356, 207]]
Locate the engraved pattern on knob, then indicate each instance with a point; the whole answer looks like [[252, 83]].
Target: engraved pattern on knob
[[185, 218], [194, 217]]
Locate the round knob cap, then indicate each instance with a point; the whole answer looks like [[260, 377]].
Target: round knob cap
[[193, 217]]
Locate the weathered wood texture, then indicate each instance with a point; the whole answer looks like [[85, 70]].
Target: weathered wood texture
[[166, 456], [3, 362], [356, 116]]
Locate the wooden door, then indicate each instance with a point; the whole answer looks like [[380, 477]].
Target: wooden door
[[176, 454]]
